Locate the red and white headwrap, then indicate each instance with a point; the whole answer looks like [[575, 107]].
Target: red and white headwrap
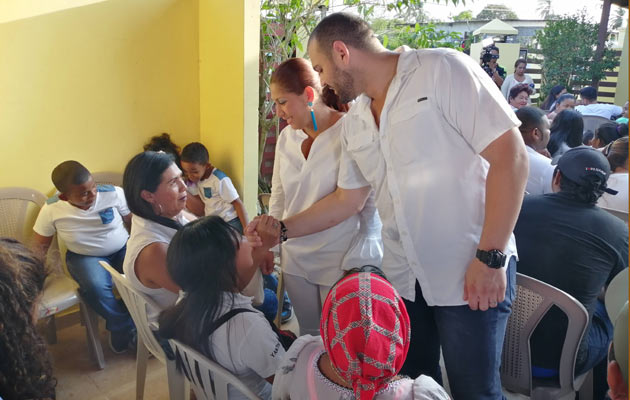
[[366, 332]]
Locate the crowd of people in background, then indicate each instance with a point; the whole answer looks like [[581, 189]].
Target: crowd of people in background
[[395, 253]]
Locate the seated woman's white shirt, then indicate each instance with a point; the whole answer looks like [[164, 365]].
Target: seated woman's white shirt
[[540, 173], [297, 184], [299, 378], [246, 346], [619, 201], [143, 233]]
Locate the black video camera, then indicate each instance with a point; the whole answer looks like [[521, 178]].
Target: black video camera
[[486, 57]]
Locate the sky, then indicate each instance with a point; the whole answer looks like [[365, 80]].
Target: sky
[[524, 9]]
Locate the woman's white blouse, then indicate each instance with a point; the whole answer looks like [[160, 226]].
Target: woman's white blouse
[[297, 184]]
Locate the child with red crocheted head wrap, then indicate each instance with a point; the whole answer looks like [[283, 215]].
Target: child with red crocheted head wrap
[[366, 332]]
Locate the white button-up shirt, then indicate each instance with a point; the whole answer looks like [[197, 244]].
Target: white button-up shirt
[[540, 173], [440, 112]]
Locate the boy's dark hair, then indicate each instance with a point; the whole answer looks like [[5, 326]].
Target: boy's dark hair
[[589, 93], [164, 143], [195, 152], [608, 132], [350, 29], [69, 173], [530, 117]]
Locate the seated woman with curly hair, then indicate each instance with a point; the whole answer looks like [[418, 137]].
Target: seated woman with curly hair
[[519, 96], [25, 366]]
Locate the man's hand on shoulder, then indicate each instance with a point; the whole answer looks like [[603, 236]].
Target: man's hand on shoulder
[[484, 287]]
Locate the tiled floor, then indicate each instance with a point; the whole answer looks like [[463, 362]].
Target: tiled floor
[[79, 378]]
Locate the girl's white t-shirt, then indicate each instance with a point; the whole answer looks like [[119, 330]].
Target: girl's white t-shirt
[[246, 346], [299, 377]]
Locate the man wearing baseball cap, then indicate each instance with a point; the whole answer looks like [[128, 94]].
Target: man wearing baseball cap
[[565, 240]]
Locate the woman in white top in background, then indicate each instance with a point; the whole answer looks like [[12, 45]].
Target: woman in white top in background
[[156, 195], [617, 155], [518, 77], [306, 169]]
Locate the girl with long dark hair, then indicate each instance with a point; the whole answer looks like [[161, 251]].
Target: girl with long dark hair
[[566, 132], [213, 263]]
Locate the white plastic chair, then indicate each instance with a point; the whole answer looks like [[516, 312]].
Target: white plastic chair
[[137, 303], [209, 380], [533, 300], [18, 210], [108, 178], [622, 215], [592, 122]]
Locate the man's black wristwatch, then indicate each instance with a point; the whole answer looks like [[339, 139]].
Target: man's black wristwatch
[[283, 232], [493, 258]]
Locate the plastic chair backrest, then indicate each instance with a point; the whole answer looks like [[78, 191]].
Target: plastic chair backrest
[[108, 178], [136, 303], [533, 300], [18, 209], [622, 215], [592, 122], [209, 380]]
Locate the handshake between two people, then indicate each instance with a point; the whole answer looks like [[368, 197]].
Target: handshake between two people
[[263, 233]]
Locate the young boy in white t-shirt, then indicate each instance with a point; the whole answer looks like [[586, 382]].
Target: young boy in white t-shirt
[[212, 186], [90, 220]]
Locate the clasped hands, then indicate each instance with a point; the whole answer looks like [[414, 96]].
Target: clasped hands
[[263, 232]]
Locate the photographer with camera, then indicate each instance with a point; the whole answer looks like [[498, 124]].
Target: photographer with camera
[[490, 64]]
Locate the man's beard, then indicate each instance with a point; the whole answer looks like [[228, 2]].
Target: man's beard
[[344, 86]]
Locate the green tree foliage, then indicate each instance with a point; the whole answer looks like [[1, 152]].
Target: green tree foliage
[[463, 16], [418, 36], [619, 17], [568, 49], [492, 11]]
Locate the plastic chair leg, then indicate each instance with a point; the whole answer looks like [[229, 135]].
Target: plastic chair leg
[[91, 330], [51, 330], [177, 384], [586, 390], [142, 356]]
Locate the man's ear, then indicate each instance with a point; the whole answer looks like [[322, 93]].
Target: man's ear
[[341, 52], [147, 196], [555, 182], [63, 197], [537, 134]]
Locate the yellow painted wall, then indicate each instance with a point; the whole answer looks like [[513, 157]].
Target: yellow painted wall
[[93, 83], [228, 80]]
